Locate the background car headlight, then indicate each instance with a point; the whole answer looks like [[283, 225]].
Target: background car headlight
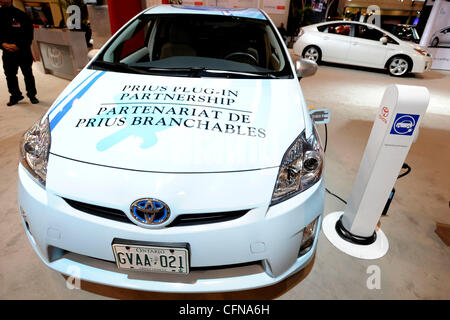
[[34, 150], [300, 168], [421, 51]]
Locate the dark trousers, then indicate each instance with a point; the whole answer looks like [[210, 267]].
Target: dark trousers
[[11, 63]]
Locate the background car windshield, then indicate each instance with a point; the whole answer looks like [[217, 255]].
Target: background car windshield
[[407, 33], [175, 42]]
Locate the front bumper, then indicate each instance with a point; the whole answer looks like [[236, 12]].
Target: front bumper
[[422, 64], [259, 249]]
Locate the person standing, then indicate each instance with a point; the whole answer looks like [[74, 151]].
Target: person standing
[[16, 34], [283, 32]]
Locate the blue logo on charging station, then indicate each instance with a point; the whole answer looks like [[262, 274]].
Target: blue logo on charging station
[[404, 124]]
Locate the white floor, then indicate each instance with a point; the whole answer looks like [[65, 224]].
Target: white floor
[[417, 265]]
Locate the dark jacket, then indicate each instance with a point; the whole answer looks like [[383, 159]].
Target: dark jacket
[[15, 28]]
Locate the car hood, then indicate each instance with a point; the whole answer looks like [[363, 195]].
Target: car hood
[[176, 124], [413, 45]]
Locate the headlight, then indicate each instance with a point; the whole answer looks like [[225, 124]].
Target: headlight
[[421, 51], [300, 168], [34, 150]]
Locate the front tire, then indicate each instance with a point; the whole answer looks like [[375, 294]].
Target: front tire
[[398, 66], [312, 53]]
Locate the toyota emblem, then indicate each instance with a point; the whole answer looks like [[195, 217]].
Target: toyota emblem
[[150, 211]]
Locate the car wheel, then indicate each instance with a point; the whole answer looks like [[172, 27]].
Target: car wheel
[[435, 42], [398, 66], [312, 53]]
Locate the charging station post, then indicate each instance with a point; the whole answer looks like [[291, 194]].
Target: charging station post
[[395, 128]]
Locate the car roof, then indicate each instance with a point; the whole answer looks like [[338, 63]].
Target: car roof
[[345, 21], [234, 12]]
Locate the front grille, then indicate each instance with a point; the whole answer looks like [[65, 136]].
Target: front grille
[[108, 213], [180, 221], [204, 218]]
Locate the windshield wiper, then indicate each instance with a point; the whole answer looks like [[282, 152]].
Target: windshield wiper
[[202, 72], [240, 74], [186, 72], [117, 67]]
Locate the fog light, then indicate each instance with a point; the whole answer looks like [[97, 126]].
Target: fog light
[[309, 233]]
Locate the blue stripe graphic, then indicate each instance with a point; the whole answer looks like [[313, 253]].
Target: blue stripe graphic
[[69, 105], [61, 101]]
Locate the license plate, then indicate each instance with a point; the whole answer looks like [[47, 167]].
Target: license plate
[[151, 258]]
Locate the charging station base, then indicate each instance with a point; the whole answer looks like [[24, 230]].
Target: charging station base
[[372, 251]]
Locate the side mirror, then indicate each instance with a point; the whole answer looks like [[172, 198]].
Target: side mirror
[[384, 40], [305, 68], [92, 53]]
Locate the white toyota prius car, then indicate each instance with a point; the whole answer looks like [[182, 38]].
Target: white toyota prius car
[[441, 37], [181, 159], [361, 44]]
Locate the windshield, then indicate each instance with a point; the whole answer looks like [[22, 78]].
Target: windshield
[[196, 45], [407, 33]]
